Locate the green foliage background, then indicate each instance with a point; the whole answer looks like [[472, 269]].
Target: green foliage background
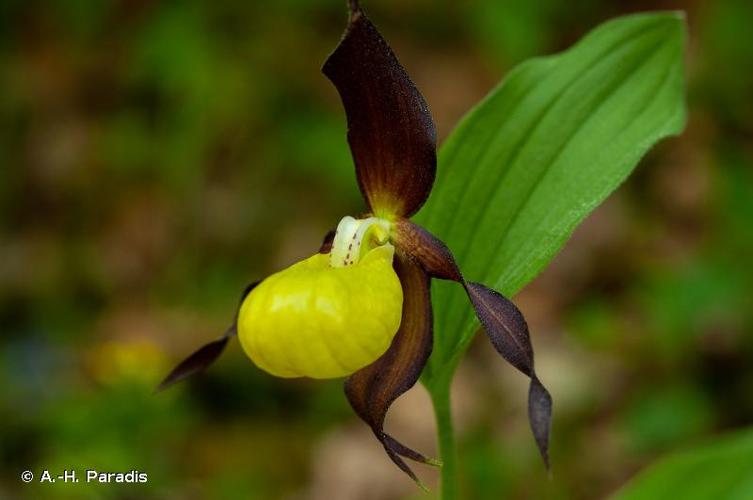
[[156, 157]]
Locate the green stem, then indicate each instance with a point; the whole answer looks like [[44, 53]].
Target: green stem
[[440, 398]]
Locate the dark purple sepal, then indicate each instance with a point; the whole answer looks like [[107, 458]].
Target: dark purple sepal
[[390, 130], [372, 390]]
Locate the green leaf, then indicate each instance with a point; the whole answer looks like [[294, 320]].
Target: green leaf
[[542, 150], [720, 469]]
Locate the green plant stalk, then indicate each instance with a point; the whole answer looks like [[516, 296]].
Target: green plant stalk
[[439, 391]]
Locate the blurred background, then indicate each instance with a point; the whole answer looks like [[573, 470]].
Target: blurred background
[[155, 157]]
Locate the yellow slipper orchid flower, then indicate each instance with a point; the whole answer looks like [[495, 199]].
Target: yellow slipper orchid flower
[[361, 307]]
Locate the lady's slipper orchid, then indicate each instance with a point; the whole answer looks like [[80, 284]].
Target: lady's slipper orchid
[[361, 307]]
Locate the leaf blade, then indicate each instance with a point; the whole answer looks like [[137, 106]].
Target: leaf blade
[[538, 154], [722, 468]]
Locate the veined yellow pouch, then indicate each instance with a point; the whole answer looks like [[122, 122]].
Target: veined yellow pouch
[[315, 320]]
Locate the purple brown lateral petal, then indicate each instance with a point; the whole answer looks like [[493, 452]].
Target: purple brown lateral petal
[[198, 361], [205, 355], [390, 130], [373, 389], [430, 251], [507, 329], [502, 320], [329, 238]]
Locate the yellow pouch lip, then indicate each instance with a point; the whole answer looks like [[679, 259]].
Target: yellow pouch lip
[[315, 320]]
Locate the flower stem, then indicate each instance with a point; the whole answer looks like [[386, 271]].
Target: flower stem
[[440, 398]]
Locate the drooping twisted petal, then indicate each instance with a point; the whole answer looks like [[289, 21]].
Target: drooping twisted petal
[[373, 389], [502, 320], [507, 329], [390, 130], [326, 245], [205, 355]]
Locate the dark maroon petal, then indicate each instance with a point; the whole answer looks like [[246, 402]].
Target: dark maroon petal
[[198, 361], [540, 416], [390, 130], [205, 355], [327, 242], [505, 324], [427, 249], [372, 389], [245, 293], [502, 320], [508, 331]]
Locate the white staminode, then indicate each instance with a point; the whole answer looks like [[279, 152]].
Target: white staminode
[[353, 236]]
